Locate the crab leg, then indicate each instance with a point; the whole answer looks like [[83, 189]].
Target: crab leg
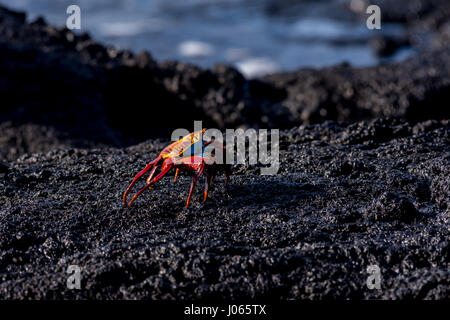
[[156, 179], [194, 181], [138, 176], [211, 179], [176, 175], [152, 173], [227, 178], [207, 181]]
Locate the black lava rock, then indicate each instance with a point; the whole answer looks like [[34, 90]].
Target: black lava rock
[[391, 207], [344, 198]]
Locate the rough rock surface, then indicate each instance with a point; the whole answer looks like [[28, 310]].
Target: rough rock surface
[[415, 89], [345, 197], [82, 93]]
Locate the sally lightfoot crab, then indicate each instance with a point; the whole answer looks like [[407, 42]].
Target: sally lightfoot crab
[[188, 154]]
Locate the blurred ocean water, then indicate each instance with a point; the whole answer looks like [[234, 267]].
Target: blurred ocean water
[[255, 36]]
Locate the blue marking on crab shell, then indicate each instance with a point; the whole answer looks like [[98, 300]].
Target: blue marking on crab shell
[[196, 149]]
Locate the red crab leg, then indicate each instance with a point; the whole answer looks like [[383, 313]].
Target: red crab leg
[[207, 181], [194, 181], [152, 173], [138, 176], [156, 179], [176, 175]]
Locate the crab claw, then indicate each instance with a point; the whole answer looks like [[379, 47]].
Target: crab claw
[[156, 179], [151, 165]]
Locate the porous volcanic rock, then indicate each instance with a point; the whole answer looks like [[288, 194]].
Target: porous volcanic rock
[[345, 197]]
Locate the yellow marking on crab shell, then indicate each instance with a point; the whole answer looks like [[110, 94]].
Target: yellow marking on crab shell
[[180, 146]]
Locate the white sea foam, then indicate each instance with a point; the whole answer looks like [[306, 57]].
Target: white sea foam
[[195, 49], [257, 66], [129, 28]]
